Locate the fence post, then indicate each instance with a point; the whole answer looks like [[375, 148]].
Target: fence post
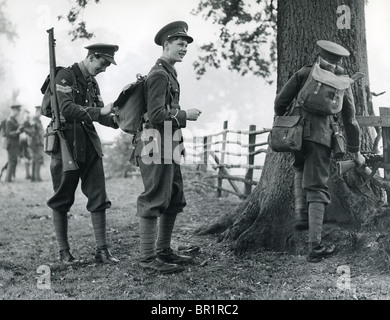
[[205, 153], [386, 146], [251, 159], [197, 159], [224, 137]]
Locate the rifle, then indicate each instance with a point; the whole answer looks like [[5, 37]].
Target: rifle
[[374, 161], [58, 121], [369, 175], [368, 171], [3, 169]]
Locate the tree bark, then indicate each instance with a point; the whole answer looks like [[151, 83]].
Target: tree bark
[[265, 219]]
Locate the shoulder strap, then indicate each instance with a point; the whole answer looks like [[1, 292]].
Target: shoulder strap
[[73, 71], [297, 103], [299, 97], [164, 70], [168, 96]]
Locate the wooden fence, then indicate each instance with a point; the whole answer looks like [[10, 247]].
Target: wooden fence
[[203, 151], [205, 155], [201, 146], [381, 124]]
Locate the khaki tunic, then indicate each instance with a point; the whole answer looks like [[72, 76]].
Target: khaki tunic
[[158, 158], [314, 158], [80, 102]]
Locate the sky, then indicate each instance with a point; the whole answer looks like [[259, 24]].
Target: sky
[[132, 24]]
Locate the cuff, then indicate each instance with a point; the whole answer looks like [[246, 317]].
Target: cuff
[[181, 117], [353, 149], [94, 113]]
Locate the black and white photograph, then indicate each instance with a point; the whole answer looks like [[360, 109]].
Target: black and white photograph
[[193, 158]]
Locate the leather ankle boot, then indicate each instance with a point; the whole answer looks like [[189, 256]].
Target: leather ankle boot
[[167, 255], [103, 255], [160, 266], [67, 258], [319, 251]]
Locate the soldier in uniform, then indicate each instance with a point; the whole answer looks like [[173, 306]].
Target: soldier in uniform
[[311, 164], [37, 145], [163, 197], [12, 133], [80, 103], [25, 143]]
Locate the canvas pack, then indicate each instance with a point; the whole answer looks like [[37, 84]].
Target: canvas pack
[[324, 90]]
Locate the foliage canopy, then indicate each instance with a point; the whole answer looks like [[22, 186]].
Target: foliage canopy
[[6, 27], [246, 34]]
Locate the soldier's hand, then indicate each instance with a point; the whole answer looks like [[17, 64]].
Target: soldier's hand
[[193, 114], [106, 109], [359, 159]]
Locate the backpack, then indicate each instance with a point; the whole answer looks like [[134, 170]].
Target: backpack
[[323, 91], [45, 90], [130, 106]]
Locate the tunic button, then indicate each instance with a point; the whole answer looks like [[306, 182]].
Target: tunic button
[[86, 100]]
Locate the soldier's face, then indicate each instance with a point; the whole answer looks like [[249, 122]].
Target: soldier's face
[[27, 117], [15, 112], [176, 50], [97, 65]]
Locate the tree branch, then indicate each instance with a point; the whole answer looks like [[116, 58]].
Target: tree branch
[[251, 49], [79, 26]]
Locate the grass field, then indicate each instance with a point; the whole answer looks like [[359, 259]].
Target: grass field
[[29, 269]]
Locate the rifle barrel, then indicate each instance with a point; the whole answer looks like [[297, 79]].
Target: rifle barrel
[[68, 163]]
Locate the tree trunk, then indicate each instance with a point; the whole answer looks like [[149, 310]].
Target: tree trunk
[[265, 219]]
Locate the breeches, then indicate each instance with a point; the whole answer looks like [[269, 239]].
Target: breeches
[[12, 163], [24, 150], [93, 184], [314, 160], [13, 155], [163, 193], [37, 154]]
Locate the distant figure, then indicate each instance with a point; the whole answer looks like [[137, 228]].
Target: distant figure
[[12, 133], [24, 143], [3, 144], [37, 145]]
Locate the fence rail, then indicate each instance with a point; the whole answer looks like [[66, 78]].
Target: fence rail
[[380, 123], [203, 148]]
